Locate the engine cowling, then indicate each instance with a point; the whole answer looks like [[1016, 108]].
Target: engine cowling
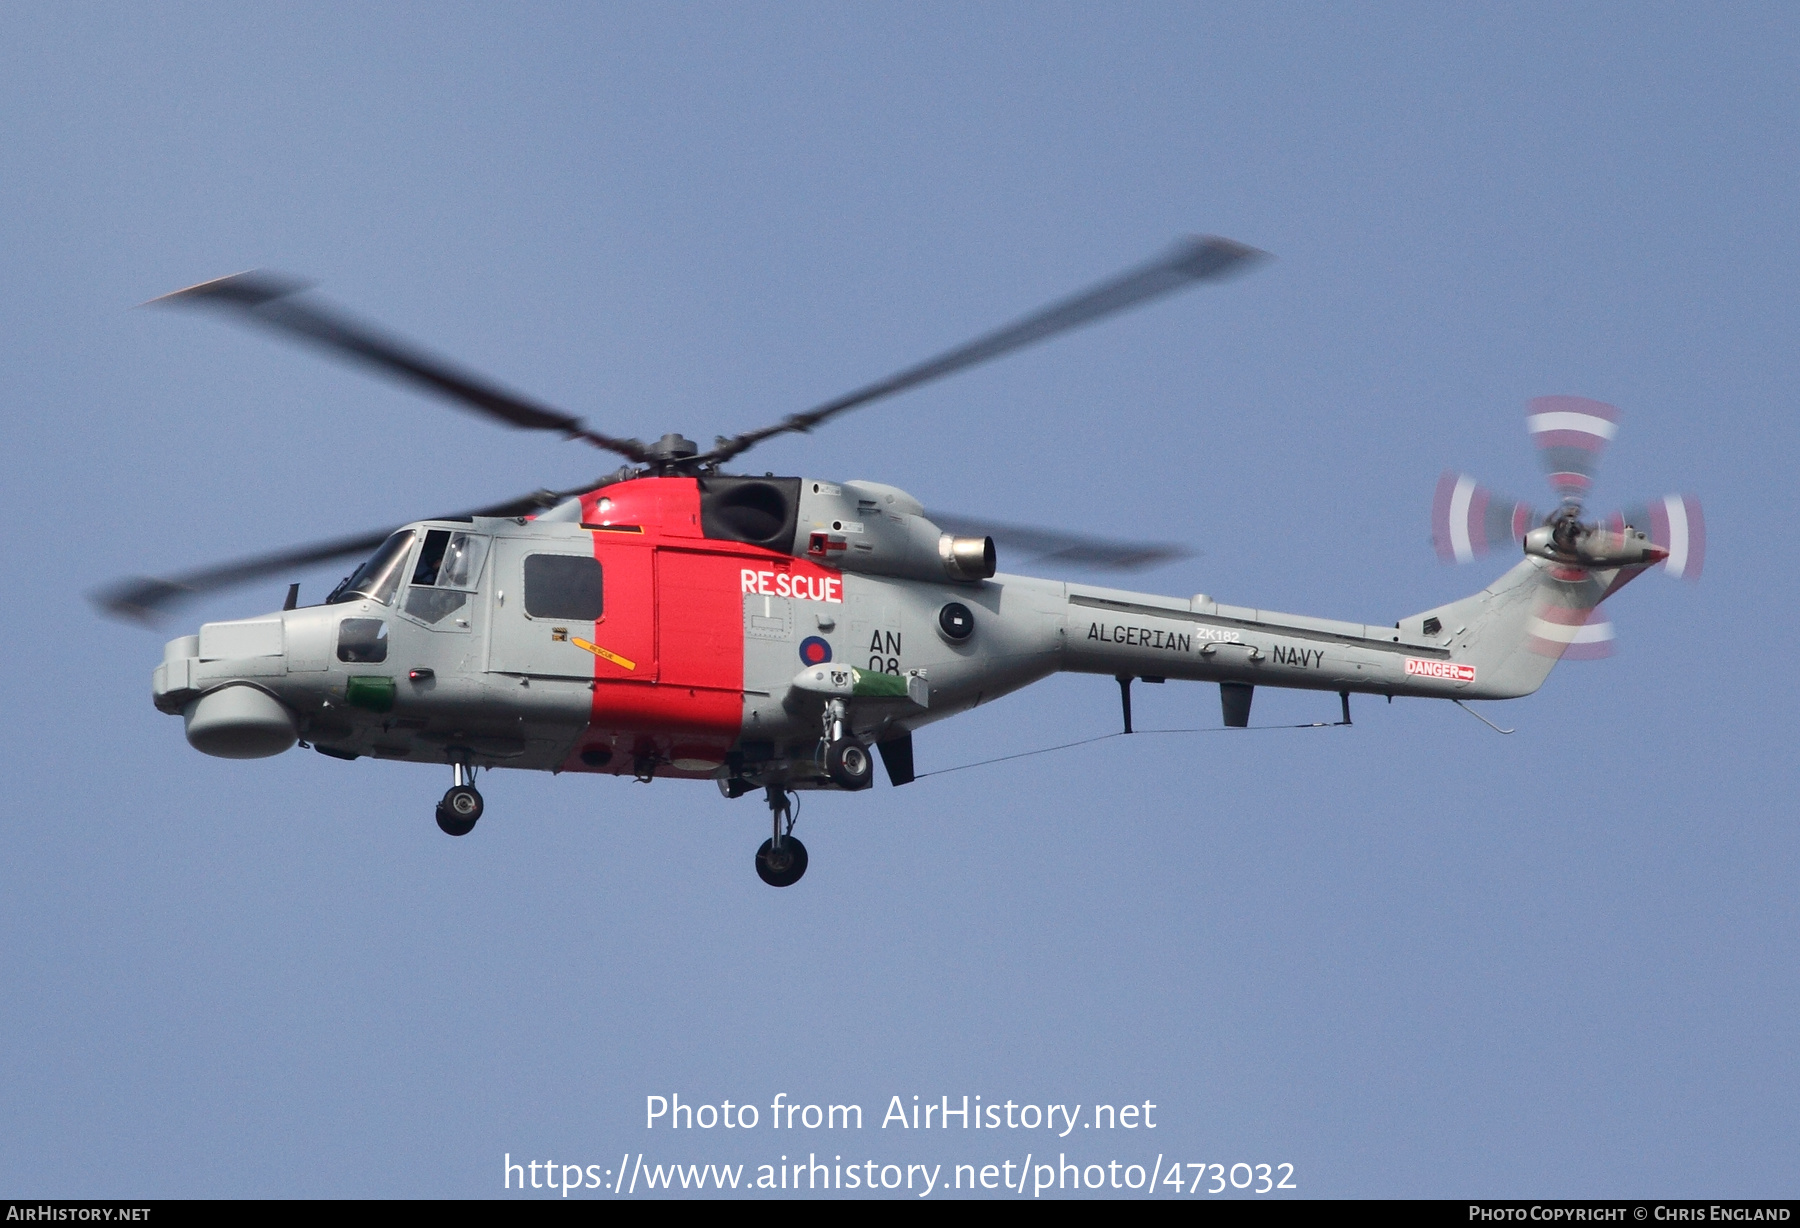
[[881, 530]]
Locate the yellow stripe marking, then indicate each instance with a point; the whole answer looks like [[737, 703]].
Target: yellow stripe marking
[[600, 652]]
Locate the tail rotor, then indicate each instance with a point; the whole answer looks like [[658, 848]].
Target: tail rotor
[[1570, 633], [1468, 519], [1589, 561], [1676, 524], [1571, 433]]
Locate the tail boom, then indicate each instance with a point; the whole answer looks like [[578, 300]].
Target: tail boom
[[1481, 647]]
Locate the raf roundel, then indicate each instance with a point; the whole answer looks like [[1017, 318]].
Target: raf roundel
[[814, 650]]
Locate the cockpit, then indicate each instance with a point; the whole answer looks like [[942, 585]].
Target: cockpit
[[379, 576], [443, 575]]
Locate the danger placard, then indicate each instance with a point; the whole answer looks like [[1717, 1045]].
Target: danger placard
[[1449, 671]]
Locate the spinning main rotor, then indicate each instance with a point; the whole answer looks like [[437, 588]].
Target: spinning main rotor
[[282, 305]]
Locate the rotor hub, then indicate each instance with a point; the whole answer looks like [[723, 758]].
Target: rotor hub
[[672, 449]]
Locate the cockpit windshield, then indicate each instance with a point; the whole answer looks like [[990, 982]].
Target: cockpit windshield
[[378, 577]]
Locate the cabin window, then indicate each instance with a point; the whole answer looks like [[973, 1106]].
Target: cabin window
[[563, 586], [362, 641]]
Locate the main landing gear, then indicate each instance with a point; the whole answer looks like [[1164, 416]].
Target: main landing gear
[[462, 806], [846, 760], [849, 764], [782, 859]]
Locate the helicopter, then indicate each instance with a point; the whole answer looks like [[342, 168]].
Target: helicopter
[[672, 620]]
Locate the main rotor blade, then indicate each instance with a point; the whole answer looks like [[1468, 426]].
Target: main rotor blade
[[1053, 546], [145, 599], [1191, 261], [268, 299]]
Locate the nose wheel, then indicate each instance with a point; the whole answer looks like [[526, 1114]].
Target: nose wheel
[[782, 859], [461, 807]]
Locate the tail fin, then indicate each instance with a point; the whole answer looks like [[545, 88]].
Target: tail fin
[[1516, 629]]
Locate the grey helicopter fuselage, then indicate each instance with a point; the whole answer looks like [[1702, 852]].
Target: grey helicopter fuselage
[[768, 632], [728, 628]]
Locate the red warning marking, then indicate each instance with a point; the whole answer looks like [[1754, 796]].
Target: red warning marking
[[1449, 671]]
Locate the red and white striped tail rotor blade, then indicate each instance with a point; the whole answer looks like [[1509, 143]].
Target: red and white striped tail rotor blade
[[1568, 633], [1676, 523], [1685, 525], [1571, 433], [1468, 519]]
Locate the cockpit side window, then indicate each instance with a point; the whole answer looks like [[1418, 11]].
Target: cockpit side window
[[450, 559], [448, 568], [379, 577], [431, 558], [463, 556], [362, 641]]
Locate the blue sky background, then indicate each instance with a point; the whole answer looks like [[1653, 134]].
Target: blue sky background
[[1410, 958]]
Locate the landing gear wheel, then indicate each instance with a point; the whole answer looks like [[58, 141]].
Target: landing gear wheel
[[459, 810], [781, 867], [849, 764]]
